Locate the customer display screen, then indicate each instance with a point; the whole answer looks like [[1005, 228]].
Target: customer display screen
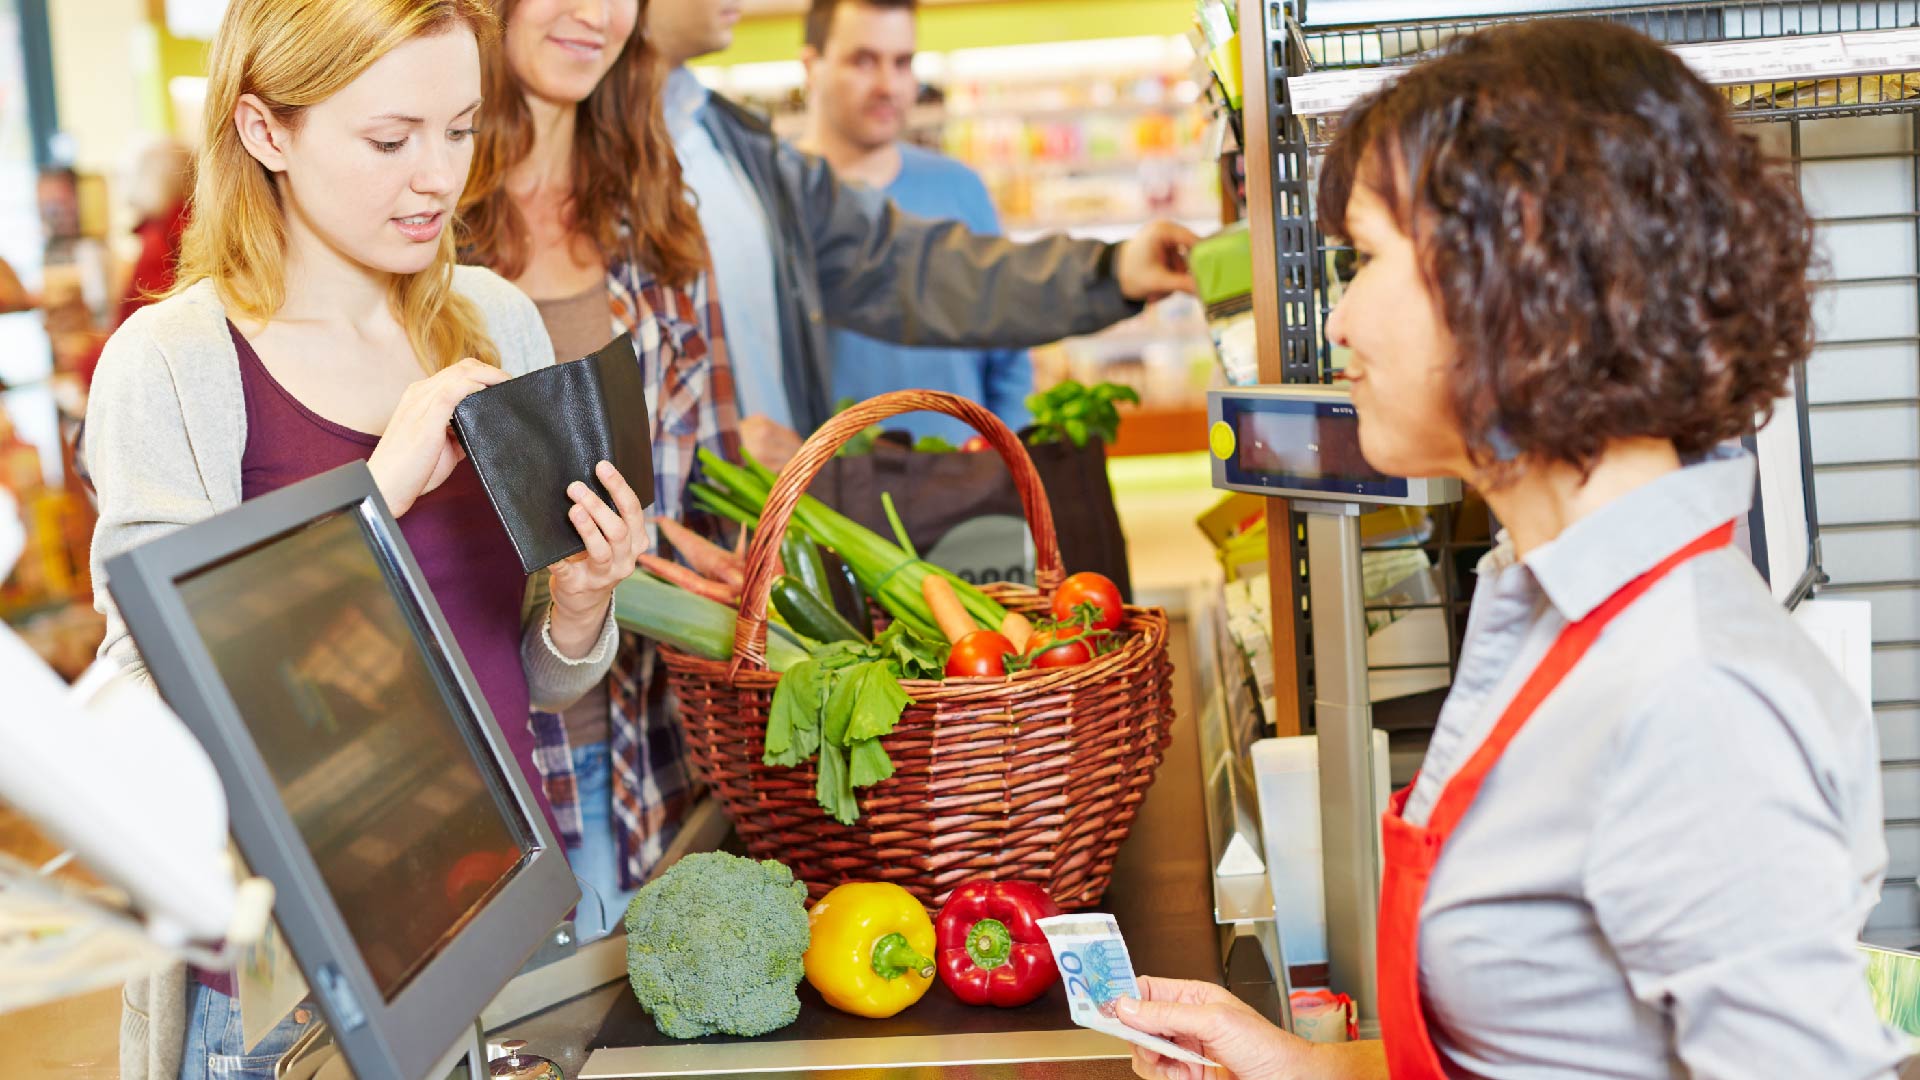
[[405, 813], [1303, 445]]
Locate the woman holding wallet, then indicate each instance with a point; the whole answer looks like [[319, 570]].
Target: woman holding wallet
[[577, 198], [1647, 832], [320, 319]]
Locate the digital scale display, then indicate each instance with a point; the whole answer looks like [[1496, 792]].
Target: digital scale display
[[1303, 442], [1306, 443]]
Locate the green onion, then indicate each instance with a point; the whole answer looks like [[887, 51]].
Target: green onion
[[899, 528], [652, 608], [890, 574]]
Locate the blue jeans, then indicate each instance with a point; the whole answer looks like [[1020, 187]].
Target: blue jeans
[[215, 1049], [596, 862]]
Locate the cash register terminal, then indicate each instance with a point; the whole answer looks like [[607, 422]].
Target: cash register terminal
[[366, 777]]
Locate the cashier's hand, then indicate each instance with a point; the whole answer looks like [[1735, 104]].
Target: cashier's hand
[[1153, 264], [419, 450], [1211, 1022], [583, 584]]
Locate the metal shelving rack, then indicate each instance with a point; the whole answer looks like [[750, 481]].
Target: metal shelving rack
[[1294, 264]]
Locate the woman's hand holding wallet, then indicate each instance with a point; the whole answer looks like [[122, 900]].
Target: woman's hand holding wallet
[[583, 584], [418, 451], [421, 449]]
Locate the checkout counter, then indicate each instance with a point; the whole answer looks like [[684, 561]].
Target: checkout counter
[[1181, 920]]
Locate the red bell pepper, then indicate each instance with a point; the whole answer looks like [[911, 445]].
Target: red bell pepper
[[992, 952]]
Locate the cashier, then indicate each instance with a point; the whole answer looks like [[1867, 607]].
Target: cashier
[[1648, 830]]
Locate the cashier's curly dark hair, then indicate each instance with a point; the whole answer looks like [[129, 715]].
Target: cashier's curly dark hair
[[1612, 256]]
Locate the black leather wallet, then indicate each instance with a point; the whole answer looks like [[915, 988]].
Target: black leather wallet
[[530, 437]]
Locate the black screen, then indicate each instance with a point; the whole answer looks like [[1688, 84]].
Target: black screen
[[1284, 444], [408, 822], [1309, 441]]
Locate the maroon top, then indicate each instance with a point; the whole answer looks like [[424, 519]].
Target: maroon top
[[456, 537]]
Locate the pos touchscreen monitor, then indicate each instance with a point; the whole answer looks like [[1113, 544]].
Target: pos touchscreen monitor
[[365, 775]]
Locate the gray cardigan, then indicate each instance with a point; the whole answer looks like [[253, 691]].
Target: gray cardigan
[[166, 429]]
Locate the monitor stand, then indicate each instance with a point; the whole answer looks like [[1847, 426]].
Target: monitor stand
[[315, 1057]]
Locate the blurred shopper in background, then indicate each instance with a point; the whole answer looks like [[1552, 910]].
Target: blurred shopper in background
[[577, 198], [861, 91], [796, 251], [158, 181]]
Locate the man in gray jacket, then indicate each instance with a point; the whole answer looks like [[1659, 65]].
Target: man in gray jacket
[[795, 250]]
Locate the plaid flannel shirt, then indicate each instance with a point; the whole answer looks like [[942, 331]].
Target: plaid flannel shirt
[[690, 398]]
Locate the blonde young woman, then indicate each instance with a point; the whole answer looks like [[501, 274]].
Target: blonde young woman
[[577, 198], [319, 319]]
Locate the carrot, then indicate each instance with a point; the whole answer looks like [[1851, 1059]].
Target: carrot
[[709, 559], [1018, 630], [675, 574], [947, 610]]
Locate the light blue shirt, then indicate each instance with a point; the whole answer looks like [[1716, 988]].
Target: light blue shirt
[[1665, 874], [932, 186], [741, 249]]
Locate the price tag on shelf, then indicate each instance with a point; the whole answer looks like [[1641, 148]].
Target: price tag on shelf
[[1774, 59], [1215, 23], [1324, 92], [1724, 63], [1883, 50]]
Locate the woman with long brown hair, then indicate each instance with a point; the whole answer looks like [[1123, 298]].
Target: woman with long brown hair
[[577, 198]]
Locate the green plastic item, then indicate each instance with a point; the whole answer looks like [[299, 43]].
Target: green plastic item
[[1223, 265]]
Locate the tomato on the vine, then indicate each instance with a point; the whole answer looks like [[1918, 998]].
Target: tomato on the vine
[[1053, 648], [1089, 588], [975, 445], [981, 653]]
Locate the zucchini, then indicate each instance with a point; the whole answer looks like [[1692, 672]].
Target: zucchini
[[652, 608], [809, 615], [802, 557], [862, 610], [791, 636]]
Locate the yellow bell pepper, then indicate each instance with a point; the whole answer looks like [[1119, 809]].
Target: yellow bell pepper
[[872, 949]]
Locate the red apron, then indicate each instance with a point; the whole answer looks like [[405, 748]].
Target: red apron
[[1412, 852]]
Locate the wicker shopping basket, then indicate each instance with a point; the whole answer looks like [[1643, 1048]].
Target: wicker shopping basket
[[1035, 776]]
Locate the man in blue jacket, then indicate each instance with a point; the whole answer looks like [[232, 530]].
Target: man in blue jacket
[[861, 89], [796, 252]]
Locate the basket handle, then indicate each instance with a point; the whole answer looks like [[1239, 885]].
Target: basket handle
[[750, 628]]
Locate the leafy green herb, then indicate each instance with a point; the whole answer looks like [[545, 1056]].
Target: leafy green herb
[[793, 723], [834, 787], [933, 444], [870, 763], [840, 704], [913, 655], [876, 705], [1072, 412]]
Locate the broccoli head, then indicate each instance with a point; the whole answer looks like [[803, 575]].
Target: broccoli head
[[714, 946]]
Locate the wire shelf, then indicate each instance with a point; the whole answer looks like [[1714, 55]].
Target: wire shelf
[[1778, 87], [1784, 90], [1408, 41], [1770, 102]]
